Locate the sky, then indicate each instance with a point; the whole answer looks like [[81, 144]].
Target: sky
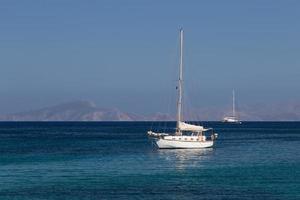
[[124, 54]]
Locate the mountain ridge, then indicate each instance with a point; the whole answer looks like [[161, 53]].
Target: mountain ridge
[[71, 111], [89, 111]]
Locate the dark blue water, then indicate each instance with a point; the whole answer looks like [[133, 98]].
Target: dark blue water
[[116, 161]]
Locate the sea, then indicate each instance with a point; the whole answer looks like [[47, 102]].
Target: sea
[[116, 160]]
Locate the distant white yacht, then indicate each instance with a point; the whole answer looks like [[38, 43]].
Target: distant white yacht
[[233, 118], [186, 136]]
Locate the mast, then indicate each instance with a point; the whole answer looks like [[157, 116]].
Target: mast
[[233, 103], [179, 102]]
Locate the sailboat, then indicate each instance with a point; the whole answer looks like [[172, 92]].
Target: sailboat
[[233, 118], [186, 135]]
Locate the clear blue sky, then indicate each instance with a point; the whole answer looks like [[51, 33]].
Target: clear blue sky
[[124, 53]]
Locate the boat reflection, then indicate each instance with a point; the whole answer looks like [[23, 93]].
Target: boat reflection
[[186, 158]]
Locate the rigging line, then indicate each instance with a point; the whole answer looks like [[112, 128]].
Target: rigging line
[[189, 107], [195, 87], [191, 115], [163, 124], [171, 96], [167, 110], [173, 69]]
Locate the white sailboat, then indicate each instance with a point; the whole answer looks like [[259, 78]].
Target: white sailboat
[[187, 135], [233, 118]]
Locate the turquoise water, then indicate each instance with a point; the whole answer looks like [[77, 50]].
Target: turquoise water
[[115, 160]]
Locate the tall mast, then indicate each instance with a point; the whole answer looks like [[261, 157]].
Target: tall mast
[[179, 102], [233, 103]]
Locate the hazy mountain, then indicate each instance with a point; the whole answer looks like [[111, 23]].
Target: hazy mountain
[[288, 111], [161, 117], [88, 111], [258, 112], [73, 111]]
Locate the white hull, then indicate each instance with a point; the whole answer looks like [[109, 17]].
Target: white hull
[[231, 120], [173, 144]]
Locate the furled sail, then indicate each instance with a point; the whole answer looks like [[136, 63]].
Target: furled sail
[[190, 127]]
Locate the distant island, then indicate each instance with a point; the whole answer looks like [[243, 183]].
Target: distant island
[[88, 111], [79, 111]]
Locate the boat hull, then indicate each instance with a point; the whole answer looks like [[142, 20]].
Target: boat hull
[[231, 120], [173, 144]]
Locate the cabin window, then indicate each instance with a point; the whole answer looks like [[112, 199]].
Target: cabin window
[[192, 139], [185, 139]]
